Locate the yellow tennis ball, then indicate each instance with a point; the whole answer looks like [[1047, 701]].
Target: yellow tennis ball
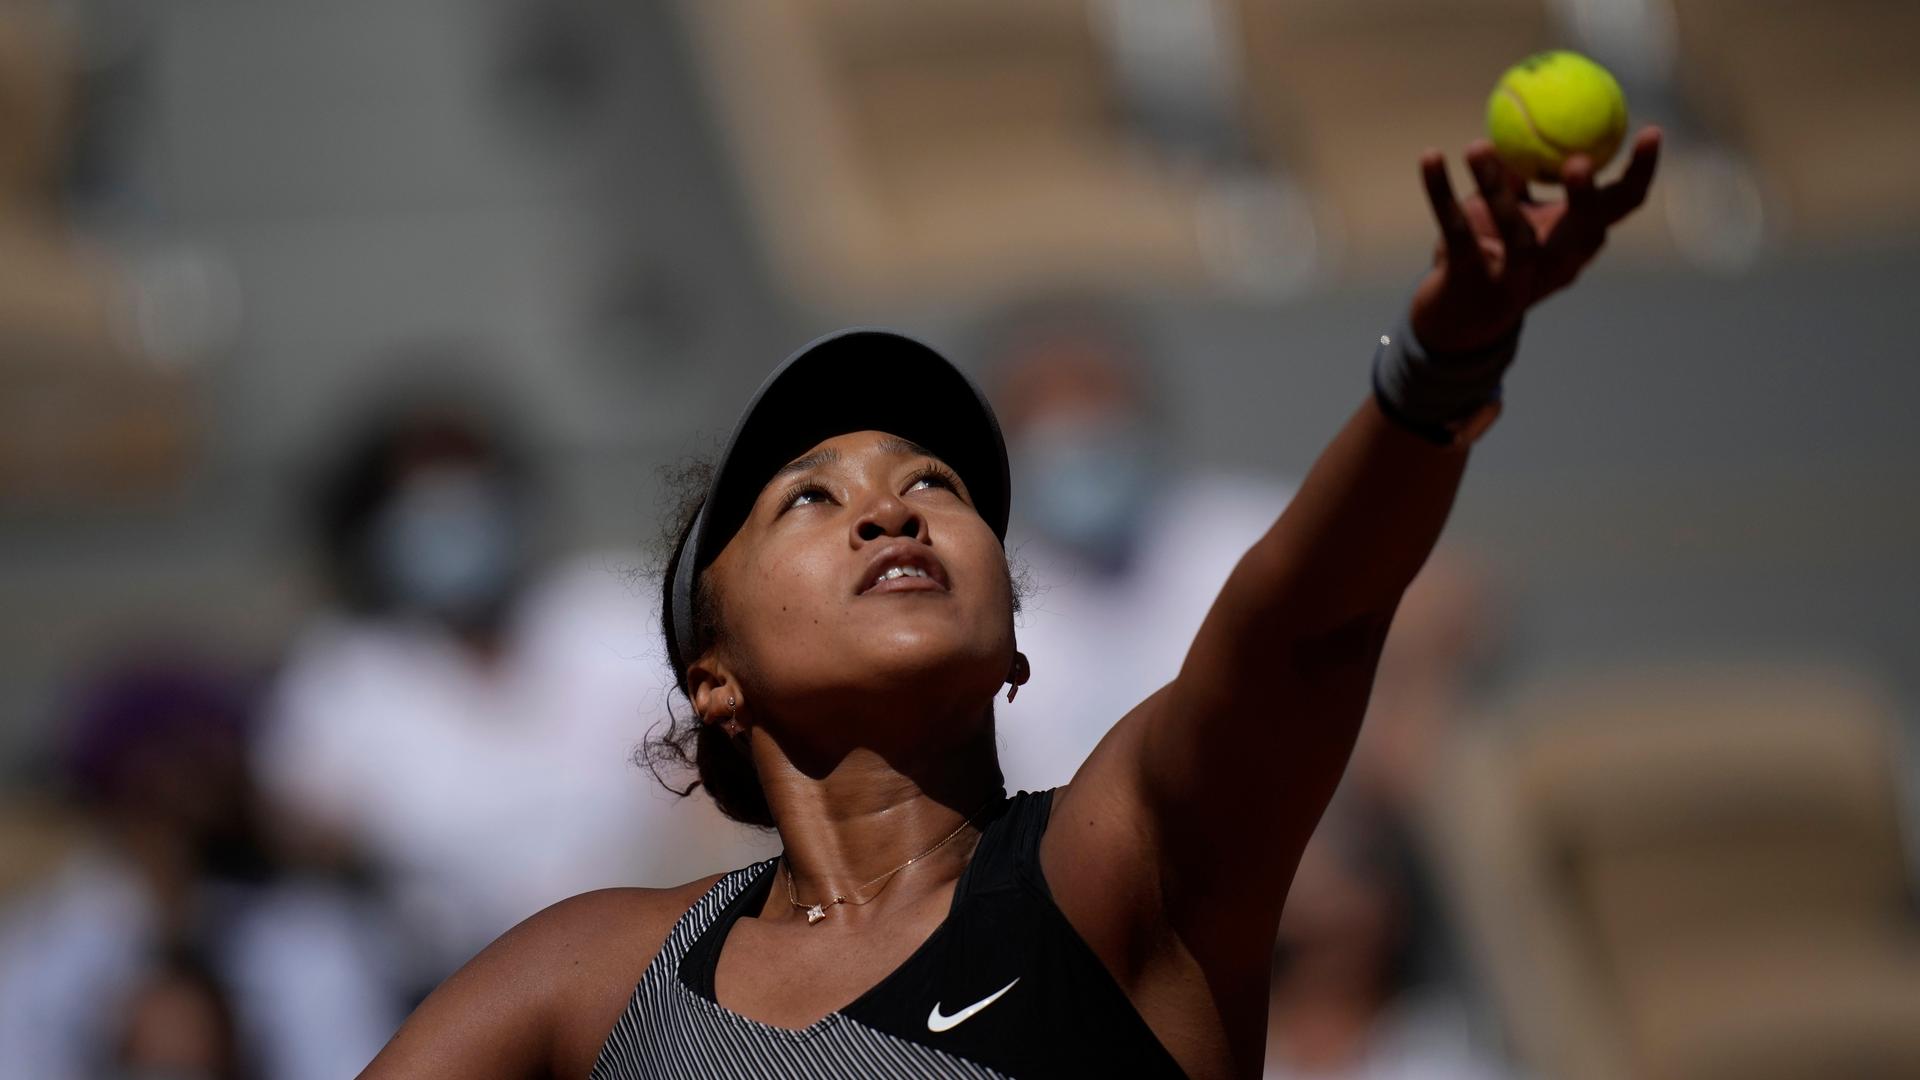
[[1551, 106]]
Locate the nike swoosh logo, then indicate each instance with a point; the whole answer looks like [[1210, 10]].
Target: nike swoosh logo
[[937, 1022]]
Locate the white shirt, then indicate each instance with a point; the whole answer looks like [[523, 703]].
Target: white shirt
[[488, 793]]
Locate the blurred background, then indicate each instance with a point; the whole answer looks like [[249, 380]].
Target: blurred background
[[343, 347]]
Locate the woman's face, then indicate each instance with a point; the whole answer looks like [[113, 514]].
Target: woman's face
[[863, 568]]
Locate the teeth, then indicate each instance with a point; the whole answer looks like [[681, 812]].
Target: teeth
[[903, 571]]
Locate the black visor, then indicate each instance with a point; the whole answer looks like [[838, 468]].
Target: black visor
[[850, 380]]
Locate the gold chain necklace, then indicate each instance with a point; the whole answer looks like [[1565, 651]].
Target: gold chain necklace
[[816, 912]]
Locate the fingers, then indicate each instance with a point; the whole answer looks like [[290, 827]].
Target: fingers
[[1583, 201], [1625, 195], [1583, 227], [1499, 187], [1456, 235], [1578, 234]]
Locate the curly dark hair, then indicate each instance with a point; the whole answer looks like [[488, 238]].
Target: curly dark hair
[[684, 744]]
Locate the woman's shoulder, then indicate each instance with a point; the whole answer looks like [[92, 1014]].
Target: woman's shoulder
[[611, 917], [593, 948], [543, 996], [607, 936]]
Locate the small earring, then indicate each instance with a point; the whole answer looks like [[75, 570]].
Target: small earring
[[732, 723], [1018, 676]]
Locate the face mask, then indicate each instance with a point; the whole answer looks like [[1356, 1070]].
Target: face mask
[[447, 545], [1086, 483]]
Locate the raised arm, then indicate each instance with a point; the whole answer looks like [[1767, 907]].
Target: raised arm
[[1192, 814]]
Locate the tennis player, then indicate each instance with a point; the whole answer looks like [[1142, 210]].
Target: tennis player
[[840, 615]]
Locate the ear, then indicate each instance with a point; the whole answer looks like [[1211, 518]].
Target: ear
[[716, 696]]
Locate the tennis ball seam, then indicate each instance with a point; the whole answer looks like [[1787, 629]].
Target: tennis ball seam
[[1527, 118]]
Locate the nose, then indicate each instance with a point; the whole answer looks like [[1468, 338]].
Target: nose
[[888, 516]]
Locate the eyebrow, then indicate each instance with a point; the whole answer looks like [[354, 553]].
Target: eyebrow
[[893, 444], [828, 455], [807, 463]]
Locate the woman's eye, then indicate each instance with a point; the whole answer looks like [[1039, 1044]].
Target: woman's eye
[[934, 478], [807, 496]]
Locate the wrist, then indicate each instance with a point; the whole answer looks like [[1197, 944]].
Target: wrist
[[1438, 396], [1439, 337]]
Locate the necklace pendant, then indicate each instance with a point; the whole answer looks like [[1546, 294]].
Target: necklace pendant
[[815, 914]]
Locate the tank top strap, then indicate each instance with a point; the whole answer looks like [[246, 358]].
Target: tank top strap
[[693, 926], [1009, 849]]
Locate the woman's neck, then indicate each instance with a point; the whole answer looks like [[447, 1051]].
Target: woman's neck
[[872, 812]]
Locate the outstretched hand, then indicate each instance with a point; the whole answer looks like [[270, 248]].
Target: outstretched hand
[[1500, 253]]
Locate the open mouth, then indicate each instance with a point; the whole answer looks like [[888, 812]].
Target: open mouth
[[905, 567]]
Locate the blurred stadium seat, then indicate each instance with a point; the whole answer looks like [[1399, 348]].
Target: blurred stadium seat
[[86, 416], [902, 151], [1353, 92], [1691, 873], [949, 149], [1825, 98]]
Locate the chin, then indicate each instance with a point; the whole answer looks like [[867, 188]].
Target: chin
[[931, 659]]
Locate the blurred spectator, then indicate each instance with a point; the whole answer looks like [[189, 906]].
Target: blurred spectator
[[464, 719], [179, 1024], [1347, 1000], [171, 943], [1127, 547]]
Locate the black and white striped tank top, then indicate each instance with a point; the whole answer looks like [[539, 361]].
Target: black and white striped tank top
[[1003, 987]]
